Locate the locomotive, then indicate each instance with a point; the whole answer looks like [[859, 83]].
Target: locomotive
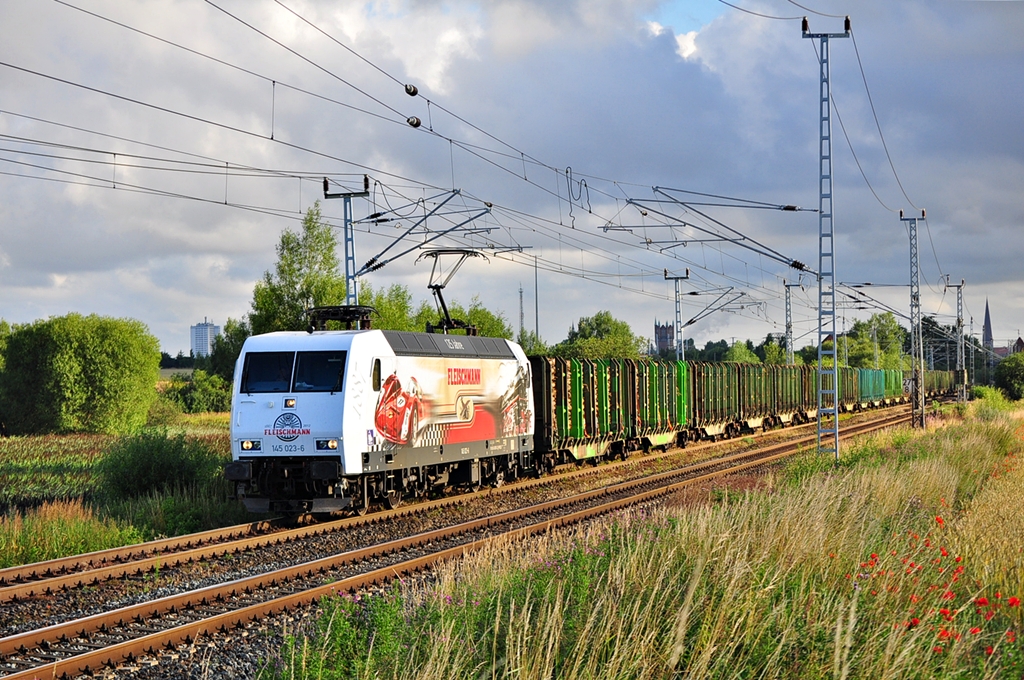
[[327, 420]]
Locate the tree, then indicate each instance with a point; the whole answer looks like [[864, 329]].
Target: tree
[[306, 275], [532, 344], [79, 373], [742, 352], [393, 306], [881, 332], [226, 348], [5, 332], [1010, 376], [202, 393], [601, 337], [774, 353]]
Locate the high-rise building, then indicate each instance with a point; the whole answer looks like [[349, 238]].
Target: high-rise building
[[202, 337]]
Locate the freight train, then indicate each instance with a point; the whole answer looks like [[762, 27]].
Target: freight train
[[327, 420]]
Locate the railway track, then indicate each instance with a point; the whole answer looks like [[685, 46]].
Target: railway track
[[86, 645], [94, 569]]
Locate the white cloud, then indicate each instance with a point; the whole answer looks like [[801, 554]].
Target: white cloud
[[687, 44]]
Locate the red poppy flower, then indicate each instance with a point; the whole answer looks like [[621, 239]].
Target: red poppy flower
[[989, 615], [937, 649], [981, 601], [940, 520], [1014, 601], [989, 650], [975, 630], [948, 595], [1011, 636]]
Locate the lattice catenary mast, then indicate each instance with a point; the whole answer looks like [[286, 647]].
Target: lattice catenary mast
[[916, 331], [680, 347], [828, 383], [790, 355], [961, 378]]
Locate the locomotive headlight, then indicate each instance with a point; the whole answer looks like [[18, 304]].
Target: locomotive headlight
[[251, 445], [289, 403], [326, 444]]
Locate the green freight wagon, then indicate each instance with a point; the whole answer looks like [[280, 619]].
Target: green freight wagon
[[790, 394], [755, 396], [894, 388], [871, 387], [715, 405]]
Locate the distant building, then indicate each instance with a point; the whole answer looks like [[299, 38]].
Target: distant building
[[202, 337], [664, 337]]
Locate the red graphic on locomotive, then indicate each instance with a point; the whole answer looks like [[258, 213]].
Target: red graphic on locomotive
[[399, 411], [461, 402]]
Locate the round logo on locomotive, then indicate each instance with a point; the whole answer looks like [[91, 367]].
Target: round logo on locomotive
[[288, 427]]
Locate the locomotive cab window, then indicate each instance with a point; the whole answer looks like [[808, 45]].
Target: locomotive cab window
[[319, 371], [267, 372]]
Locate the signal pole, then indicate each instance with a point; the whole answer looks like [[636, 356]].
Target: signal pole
[[351, 294], [961, 379], [916, 331], [790, 357], [680, 347], [828, 375]]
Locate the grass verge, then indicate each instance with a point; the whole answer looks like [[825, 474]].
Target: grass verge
[[896, 564], [62, 495]]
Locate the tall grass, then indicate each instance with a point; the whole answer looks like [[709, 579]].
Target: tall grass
[[872, 570], [56, 529]]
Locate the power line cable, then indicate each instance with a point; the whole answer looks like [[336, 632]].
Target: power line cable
[[758, 14], [206, 121], [878, 125], [814, 11]]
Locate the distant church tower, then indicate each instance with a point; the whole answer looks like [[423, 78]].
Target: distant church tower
[[988, 342], [986, 334]]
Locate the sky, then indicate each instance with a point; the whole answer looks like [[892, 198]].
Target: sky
[[152, 153]]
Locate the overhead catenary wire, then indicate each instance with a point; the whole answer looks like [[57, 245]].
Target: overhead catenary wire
[[759, 14]]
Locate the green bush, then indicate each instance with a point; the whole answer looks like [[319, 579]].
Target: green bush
[[78, 373], [1010, 376], [153, 460], [164, 411], [989, 403], [203, 393]]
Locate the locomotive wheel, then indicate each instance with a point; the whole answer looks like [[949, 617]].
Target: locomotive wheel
[[362, 504], [393, 499]]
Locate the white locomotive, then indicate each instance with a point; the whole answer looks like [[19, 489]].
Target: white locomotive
[[326, 420]]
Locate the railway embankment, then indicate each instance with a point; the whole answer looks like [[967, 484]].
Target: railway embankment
[[902, 561]]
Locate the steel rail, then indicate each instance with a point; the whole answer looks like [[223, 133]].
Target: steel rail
[[64, 565], [58, 637], [90, 569]]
